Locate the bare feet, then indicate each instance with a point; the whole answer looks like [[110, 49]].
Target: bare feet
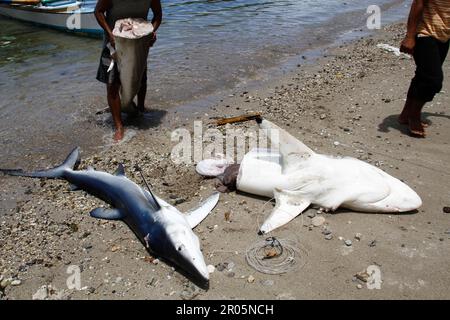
[[118, 134], [404, 120], [416, 128]]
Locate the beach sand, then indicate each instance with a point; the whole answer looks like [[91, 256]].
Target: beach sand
[[345, 103]]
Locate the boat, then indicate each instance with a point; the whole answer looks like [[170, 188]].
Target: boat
[[66, 15]]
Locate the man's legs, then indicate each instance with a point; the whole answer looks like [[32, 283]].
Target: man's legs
[[112, 91], [425, 84]]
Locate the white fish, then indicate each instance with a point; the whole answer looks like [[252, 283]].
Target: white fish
[[297, 177]]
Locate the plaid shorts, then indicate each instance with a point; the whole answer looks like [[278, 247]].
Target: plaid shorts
[[112, 76]]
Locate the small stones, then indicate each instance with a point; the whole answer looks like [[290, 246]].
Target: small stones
[[373, 243], [323, 116], [221, 266], [358, 236], [115, 248], [87, 246], [179, 201], [4, 283], [446, 209], [318, 221], [336, 143], [211, 268], [267, 283], [311, 215], [359, 286], [328, 237], [250, 279], [90, 290], [348, 242], [231, 274], [190, 292], [16, 282]]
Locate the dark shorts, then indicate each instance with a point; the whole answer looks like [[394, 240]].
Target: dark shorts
[[429, 56], [113, 76]]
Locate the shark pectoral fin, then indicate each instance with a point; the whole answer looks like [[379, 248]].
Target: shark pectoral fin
[[120, 171], [288, 206], [108, 214], [195, 216]]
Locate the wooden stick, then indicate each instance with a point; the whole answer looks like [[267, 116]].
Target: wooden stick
[[248, 117]]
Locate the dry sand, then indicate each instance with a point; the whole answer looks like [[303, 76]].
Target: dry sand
[[352, 96]]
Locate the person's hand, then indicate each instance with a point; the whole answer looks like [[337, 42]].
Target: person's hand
[[152, 38], [112, 41], [408, 44]]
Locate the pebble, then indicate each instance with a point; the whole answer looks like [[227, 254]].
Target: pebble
[[336, 143], [358, 236], [311, 215], [250, 279], [446, 209], [4, 283], [210, 268], [348, 243], [373, 243], [328, 237], [318, 221], [16, 282], [359, 286], [267, 283], [221, 266], [230, 274]]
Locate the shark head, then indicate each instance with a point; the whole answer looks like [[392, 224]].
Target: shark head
[[177, 243]]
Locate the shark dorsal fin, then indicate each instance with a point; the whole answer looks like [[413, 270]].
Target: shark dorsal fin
[[120, 171], [154, 199]]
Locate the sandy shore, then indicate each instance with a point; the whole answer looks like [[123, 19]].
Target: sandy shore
[[345, 103]]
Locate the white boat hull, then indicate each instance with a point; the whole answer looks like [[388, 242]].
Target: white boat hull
[[80, 21]]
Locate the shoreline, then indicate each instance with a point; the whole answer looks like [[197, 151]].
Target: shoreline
[[352, 97], [68, 117]]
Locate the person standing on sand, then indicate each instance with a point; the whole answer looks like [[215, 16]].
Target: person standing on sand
[[107, 12], [427, 39]]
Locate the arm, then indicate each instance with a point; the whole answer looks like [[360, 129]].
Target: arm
[[157, 18], [100, 9], [415, 15]]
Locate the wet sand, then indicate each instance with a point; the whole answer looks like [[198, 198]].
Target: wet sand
[[345, 103]]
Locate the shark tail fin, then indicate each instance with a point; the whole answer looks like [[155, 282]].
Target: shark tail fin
[[71, 162]]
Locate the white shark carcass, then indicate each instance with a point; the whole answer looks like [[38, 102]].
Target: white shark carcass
[[297, 177]]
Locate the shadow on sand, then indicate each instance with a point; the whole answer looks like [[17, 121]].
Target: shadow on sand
[[391, 122], [148, 119]]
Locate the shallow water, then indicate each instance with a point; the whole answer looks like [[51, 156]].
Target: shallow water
[[48, 90]]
